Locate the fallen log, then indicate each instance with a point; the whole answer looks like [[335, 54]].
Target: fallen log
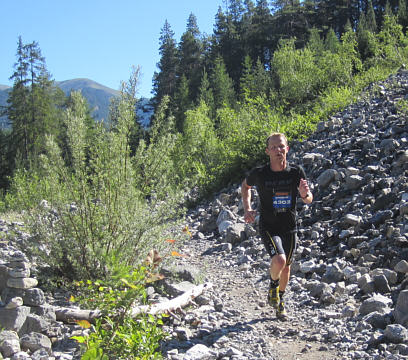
[[70, 315], [173, 304]]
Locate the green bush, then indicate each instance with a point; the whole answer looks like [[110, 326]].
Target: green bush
[[117, 334], [98, 211]]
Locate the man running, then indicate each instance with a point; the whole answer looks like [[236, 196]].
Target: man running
[[278, 184]]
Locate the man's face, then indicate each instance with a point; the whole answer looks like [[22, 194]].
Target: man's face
[[277, 148]]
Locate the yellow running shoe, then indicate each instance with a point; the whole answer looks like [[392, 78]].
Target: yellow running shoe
[[273, 297], [281, 311]]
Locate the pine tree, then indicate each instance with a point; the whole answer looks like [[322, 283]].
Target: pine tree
[[222, 84], [290, 21], [182, 101], [365, 38], [164, 81], [262, 80], [227, 43], [370, 18], [315, 42], [402, 14], [258, 38], [255, 80], [331, 42], [247, 78], [34, 105], [190, 50], [205, 93]]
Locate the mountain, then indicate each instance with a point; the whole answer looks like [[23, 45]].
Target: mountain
[[97, 95], [4, 91]]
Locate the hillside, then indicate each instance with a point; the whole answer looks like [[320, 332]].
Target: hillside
[[97, 95]]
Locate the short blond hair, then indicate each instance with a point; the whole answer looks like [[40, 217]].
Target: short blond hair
[[276, 134]]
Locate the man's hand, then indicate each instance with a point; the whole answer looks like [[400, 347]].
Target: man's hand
[[249, 216], [305, 192]]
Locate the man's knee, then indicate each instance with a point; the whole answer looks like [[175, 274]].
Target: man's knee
[[279, 260]]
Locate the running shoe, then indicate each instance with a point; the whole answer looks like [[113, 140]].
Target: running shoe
[[273, 297], [281, 313]]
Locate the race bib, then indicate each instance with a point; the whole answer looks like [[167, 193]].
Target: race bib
[[282, 201]]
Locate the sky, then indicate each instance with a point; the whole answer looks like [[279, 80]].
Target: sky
[[97, 39]]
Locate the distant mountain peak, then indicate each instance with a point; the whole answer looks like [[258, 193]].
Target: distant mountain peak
[[81, 83], [97, 95]]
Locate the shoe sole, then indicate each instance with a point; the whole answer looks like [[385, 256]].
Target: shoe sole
[[282, 317]]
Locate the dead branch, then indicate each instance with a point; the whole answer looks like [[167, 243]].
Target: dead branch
[[70, 315]]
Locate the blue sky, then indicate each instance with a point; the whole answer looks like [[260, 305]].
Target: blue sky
[[97, 39]]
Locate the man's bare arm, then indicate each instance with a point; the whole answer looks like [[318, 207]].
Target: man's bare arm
[[249, 214]]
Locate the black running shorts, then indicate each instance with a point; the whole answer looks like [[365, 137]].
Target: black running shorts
[[283, 243]]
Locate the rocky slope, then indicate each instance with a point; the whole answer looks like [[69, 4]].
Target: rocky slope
[[348, 293]]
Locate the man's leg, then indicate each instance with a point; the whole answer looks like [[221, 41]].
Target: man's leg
[[273, 245], [284, 278], [277, 268], [280, 274]]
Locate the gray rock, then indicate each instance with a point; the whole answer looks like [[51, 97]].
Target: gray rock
[[199, 352], [14, 303], [381, 284], [20, 269], [333, 274], [402, 267], [3, 276], [403, 208], [326, 177], [35, 341], [9, 343], [396, 333], [224, 225], [46, 312], [35, 323], [376, 303], [225, 215], [175, 289], [366, 284], [307, 266], [40, 354], [22, 283], [401, 308], [377, 320], [13, 319], [34, 297], [352, 220], [354, 182], [235, 233], [390, 275]]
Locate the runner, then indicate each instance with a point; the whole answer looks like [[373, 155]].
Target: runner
[[278, 183]]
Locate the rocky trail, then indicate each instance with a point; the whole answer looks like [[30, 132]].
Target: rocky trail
[[240, 324], [348, 293]]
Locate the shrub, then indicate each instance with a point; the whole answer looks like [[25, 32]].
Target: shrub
[[97, 211], [117, 334]]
